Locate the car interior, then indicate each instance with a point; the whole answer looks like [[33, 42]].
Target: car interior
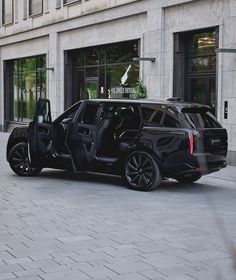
[[117, 125]]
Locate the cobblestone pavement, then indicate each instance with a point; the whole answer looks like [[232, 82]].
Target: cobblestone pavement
[[63, 226]]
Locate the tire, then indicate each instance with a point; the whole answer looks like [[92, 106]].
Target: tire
[[19, 161], [141, 171], [187, 179]]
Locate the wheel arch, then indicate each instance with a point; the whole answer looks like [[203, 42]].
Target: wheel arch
[[144, 149]]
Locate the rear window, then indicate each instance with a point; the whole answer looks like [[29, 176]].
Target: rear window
[[171, 118], [201, 119], [153, 114]]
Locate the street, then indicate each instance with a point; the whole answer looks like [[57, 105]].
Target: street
[[59, 225]]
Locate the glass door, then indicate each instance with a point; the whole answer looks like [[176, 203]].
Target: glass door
[[91, 87], [202, 89]]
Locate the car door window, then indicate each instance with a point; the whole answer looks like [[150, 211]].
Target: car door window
[[71, 112], [89, 115]]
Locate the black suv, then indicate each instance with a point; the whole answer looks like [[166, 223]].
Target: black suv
[[144, 141]]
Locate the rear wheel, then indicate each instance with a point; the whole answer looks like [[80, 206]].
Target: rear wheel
[[141, 171], [189, 178], [19, 161]]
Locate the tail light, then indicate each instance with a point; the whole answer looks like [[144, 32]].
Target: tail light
[[191, 143]]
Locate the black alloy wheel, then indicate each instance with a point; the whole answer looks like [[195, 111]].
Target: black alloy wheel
[[142, 172], [19, 161]]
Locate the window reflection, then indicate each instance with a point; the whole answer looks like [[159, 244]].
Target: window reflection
[[201, 55], [111, 66], [29, 85], [203, 43]]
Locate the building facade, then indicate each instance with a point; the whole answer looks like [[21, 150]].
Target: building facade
[[67, 50]]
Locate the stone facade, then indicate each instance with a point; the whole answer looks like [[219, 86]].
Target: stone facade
[[96, 22]]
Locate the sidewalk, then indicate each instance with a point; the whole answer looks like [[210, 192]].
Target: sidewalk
[[59, 226]]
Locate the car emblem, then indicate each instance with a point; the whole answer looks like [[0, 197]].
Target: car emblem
[[215, 141]]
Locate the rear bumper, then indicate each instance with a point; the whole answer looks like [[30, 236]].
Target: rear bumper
[[198, 165], [203, 169]]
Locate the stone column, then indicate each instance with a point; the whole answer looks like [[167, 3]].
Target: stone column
[[53, 77], [1, 94]]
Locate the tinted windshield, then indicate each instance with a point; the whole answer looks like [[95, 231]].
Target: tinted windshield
[[201, 119]]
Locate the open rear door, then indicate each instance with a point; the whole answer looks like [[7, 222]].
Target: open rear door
[[81, 138], [40, 133]]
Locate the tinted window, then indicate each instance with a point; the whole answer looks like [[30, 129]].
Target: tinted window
[[152, 114], [122, 116], [89, 115], [202, 120], [171, 118]]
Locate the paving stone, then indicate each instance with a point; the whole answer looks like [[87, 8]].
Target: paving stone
[[122, 266], [28, 273], [7, 276], [59, 226], [130, 276]]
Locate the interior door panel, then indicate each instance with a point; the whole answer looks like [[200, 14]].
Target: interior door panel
[[81, 138], [40, 133]]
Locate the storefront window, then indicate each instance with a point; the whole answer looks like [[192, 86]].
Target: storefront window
[[122, 80], [91, 57], [28, 85], [195, 66], [7, 11], [106, 71], [201, 68], [201, 55]]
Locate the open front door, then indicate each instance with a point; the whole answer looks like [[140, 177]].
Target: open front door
[[81, 138], [40, 133]]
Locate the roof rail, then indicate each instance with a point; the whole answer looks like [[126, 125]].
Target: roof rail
[[174, 99]]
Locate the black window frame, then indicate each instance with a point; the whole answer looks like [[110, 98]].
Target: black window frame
[[65, 3], [30, 9], [3, 13]]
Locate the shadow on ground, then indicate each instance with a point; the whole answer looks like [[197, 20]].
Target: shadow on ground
[[115, 181]]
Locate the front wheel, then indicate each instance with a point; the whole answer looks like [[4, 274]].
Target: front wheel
[[189, 178], [19, 161], [141, 171]]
